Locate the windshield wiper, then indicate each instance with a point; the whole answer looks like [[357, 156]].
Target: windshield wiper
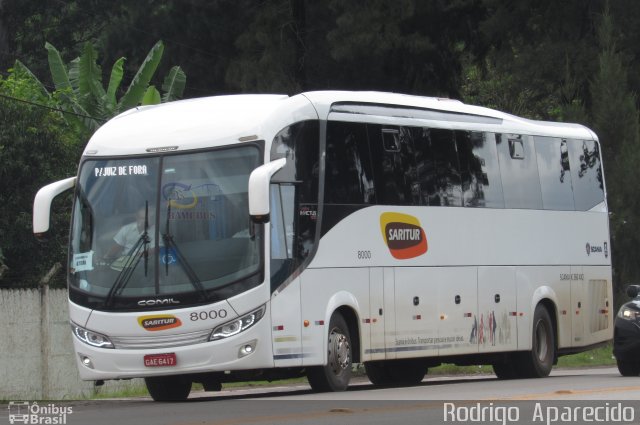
[[167, 237], [133, 258]]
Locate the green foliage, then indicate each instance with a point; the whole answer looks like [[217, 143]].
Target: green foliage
[[37, 146], [615, 119], [80, 89]]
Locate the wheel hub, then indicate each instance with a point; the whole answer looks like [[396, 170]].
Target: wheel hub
[[340, 356]]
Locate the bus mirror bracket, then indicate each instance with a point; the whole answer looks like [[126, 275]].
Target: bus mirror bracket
[[42, 205], [259, 181]]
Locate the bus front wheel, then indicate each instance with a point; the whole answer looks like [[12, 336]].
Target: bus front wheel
[[168, 388], [335, 375]]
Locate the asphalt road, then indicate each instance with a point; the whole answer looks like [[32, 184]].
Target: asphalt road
[[437, 400]]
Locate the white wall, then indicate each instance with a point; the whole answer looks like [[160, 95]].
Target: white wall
[[36, 351]]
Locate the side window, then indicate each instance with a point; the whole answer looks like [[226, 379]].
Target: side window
[[519, 171], [555, 174], [394, 165], [586, 173], [479, 169], [438, 168], [349, 174]]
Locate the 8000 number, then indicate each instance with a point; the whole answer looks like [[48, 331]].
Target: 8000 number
[[206, 315], [364, 255]]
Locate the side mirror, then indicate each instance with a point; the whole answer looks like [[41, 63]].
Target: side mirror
[[633, 290], [42, 204], [259, 181]]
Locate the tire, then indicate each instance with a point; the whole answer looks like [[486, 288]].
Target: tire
[[168, 388], [505, 371], [396, 372], [628, 368], [538, 362], [335, 375]]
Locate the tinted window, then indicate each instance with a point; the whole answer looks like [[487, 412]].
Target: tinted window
[[555, 174], [438, 167], [349, 175], [294, 199], [479, 169], [586, 173], [519, 171], [394, 165]]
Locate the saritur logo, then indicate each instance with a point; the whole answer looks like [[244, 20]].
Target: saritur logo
[[159, 322], [403, 235]]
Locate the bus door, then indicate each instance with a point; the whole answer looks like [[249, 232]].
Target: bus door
[[497, 310], [381, 320]]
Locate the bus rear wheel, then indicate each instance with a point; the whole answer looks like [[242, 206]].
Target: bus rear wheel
[[168, 388], [506, 370], [396, 372], [335, 375], [628, 368], [538, 362]]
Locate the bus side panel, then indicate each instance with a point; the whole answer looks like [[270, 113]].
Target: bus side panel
[[323, 292], [538, 283], [457, 308], [578, 304], [286, 326], [375, 321], [497, 310], [599, 291], [416, 311]]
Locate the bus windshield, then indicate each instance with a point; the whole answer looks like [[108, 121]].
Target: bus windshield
[[171, 229]]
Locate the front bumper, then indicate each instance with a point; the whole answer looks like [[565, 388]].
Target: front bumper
[[213, 356]]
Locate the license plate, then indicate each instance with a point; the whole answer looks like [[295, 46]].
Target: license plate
[[160, 360]]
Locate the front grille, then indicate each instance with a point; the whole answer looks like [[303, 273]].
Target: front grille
[[160, 341]]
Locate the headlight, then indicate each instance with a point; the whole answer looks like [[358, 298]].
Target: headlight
[[93, 339], [238, 325], [628, 314]]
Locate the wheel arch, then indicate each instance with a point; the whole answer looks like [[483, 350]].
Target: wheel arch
[[347, 306]]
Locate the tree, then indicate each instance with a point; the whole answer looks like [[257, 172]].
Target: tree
[[615, 120], [37, 146], [80, 85]]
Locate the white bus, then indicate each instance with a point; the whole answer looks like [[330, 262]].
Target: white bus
[[267, 236]]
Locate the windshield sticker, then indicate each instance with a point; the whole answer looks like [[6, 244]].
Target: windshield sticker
[[159, 322], [403, 235], [186, 196], [82, 262], [122, 170], [169, 256]]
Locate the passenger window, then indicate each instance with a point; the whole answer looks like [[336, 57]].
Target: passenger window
[[586, 173], [438, 168], [519, 171], [479, 169], [349, 174], [394, 165], [555, 175]]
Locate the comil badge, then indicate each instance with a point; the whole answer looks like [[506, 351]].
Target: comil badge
[[403, 235]]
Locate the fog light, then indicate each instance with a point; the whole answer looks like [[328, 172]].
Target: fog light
[[86, 361], [247, 349]]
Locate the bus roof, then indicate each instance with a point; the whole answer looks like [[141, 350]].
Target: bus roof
[[212, 121]]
